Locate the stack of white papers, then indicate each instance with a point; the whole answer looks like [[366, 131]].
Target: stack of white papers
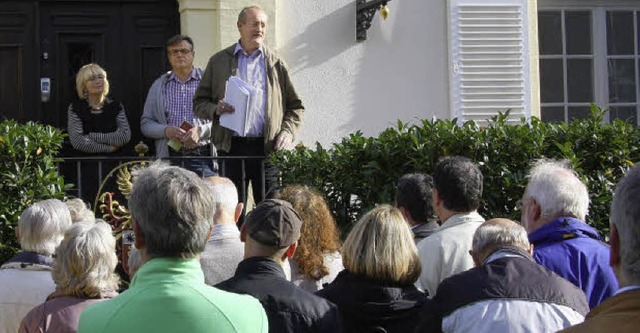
[[238, 94]]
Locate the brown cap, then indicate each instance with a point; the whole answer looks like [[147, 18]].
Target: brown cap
[[273, 223]]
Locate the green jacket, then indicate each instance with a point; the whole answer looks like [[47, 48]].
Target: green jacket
[[169, 295], [284, 107]]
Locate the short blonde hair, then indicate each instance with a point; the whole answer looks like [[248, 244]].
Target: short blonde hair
[[380, 247], [84, 73], [86, 260]]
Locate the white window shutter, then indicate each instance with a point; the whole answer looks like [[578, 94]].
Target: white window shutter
[[489, 59]]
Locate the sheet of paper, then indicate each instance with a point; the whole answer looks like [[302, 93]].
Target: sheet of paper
[[237, 94]]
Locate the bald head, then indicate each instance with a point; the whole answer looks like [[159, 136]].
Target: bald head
[[498, 233], [225, 198]]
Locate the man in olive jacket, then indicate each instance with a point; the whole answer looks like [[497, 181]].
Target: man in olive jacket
[[275, 113]]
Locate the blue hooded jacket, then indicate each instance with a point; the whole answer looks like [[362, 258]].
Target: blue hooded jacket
[[575, 251]]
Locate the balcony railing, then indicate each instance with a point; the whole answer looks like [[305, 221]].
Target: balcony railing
[[87, 173]]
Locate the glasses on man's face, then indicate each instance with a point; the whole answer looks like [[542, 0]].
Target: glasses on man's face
[[179, 51], [96, 77]]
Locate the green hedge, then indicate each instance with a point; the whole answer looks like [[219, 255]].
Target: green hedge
[[28, 173], [360, 172]]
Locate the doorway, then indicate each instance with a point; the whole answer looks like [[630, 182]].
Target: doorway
[[48, 41]]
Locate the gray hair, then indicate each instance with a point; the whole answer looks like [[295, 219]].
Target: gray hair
[[625, 215], [225, 193], [557, 189], [80, 211], [497, 235], [86, 261], [41, 227], [173, 208], [242, 16]]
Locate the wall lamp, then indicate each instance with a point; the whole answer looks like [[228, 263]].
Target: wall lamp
[[365, 10]]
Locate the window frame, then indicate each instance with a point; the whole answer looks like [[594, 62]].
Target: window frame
[[600, 57]]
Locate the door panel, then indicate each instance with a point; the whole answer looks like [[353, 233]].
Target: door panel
[[11, 94], [19, 94]]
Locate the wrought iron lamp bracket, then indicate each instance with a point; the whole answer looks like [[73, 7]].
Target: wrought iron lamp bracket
[[365, 11]]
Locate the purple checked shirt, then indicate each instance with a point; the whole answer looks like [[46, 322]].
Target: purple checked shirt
[[252, 70], [179, 101]]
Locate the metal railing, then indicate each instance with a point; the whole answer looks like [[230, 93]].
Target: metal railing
[[88, 173]]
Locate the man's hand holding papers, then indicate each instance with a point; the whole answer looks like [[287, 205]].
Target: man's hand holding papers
[[235, 107], [223, 108]]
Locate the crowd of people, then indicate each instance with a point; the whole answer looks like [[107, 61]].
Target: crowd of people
[[428, 262], [285, 269]]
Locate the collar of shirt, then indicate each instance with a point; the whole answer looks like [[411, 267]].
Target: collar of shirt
[[225, 230], [195, 75], [240, 50], [507, 253]]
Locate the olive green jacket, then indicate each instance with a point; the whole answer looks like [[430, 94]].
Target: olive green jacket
[[284, 107]]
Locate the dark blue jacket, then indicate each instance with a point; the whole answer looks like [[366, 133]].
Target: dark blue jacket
[[575, 251]]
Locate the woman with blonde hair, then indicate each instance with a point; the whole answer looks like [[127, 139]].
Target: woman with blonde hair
[[376, 292], [83, 273], [317, 260], [96, 123]]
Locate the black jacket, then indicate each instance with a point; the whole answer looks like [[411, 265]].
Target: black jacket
[[288, 308], [372, 306]]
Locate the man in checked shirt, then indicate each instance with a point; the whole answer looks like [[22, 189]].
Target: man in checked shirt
[[168, 112]]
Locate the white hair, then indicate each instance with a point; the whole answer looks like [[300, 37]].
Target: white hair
[[625, 215], [557, 189], [86, 261], [80, 211], [41, 227], [225, 193], [496, 235]]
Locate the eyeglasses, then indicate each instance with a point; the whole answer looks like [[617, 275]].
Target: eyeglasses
[[180, 51], [96, 77]]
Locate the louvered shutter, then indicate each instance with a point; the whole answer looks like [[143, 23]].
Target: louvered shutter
[[489, 56]]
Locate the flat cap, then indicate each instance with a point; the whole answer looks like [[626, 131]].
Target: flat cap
[[273, 223]]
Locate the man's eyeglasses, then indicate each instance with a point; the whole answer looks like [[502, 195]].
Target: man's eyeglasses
[[96, 77], [179, 51]]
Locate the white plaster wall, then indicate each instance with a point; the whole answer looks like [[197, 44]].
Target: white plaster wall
[[399, 72]]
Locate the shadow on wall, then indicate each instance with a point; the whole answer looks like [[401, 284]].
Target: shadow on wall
[[308, 49], [403, 71], [399, 72], [321, 56]]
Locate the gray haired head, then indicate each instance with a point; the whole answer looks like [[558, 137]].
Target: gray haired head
[[41, 227], [557, 189], [497, 234], [173, 209], [625, 215]]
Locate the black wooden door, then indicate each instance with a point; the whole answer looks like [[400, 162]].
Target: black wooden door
[[18, 61], [52, 39]]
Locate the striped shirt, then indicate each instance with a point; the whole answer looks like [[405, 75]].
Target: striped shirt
[[89, 141], [179, 100], [252, 70]]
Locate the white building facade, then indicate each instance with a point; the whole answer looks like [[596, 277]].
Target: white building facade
[[464, 59]]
